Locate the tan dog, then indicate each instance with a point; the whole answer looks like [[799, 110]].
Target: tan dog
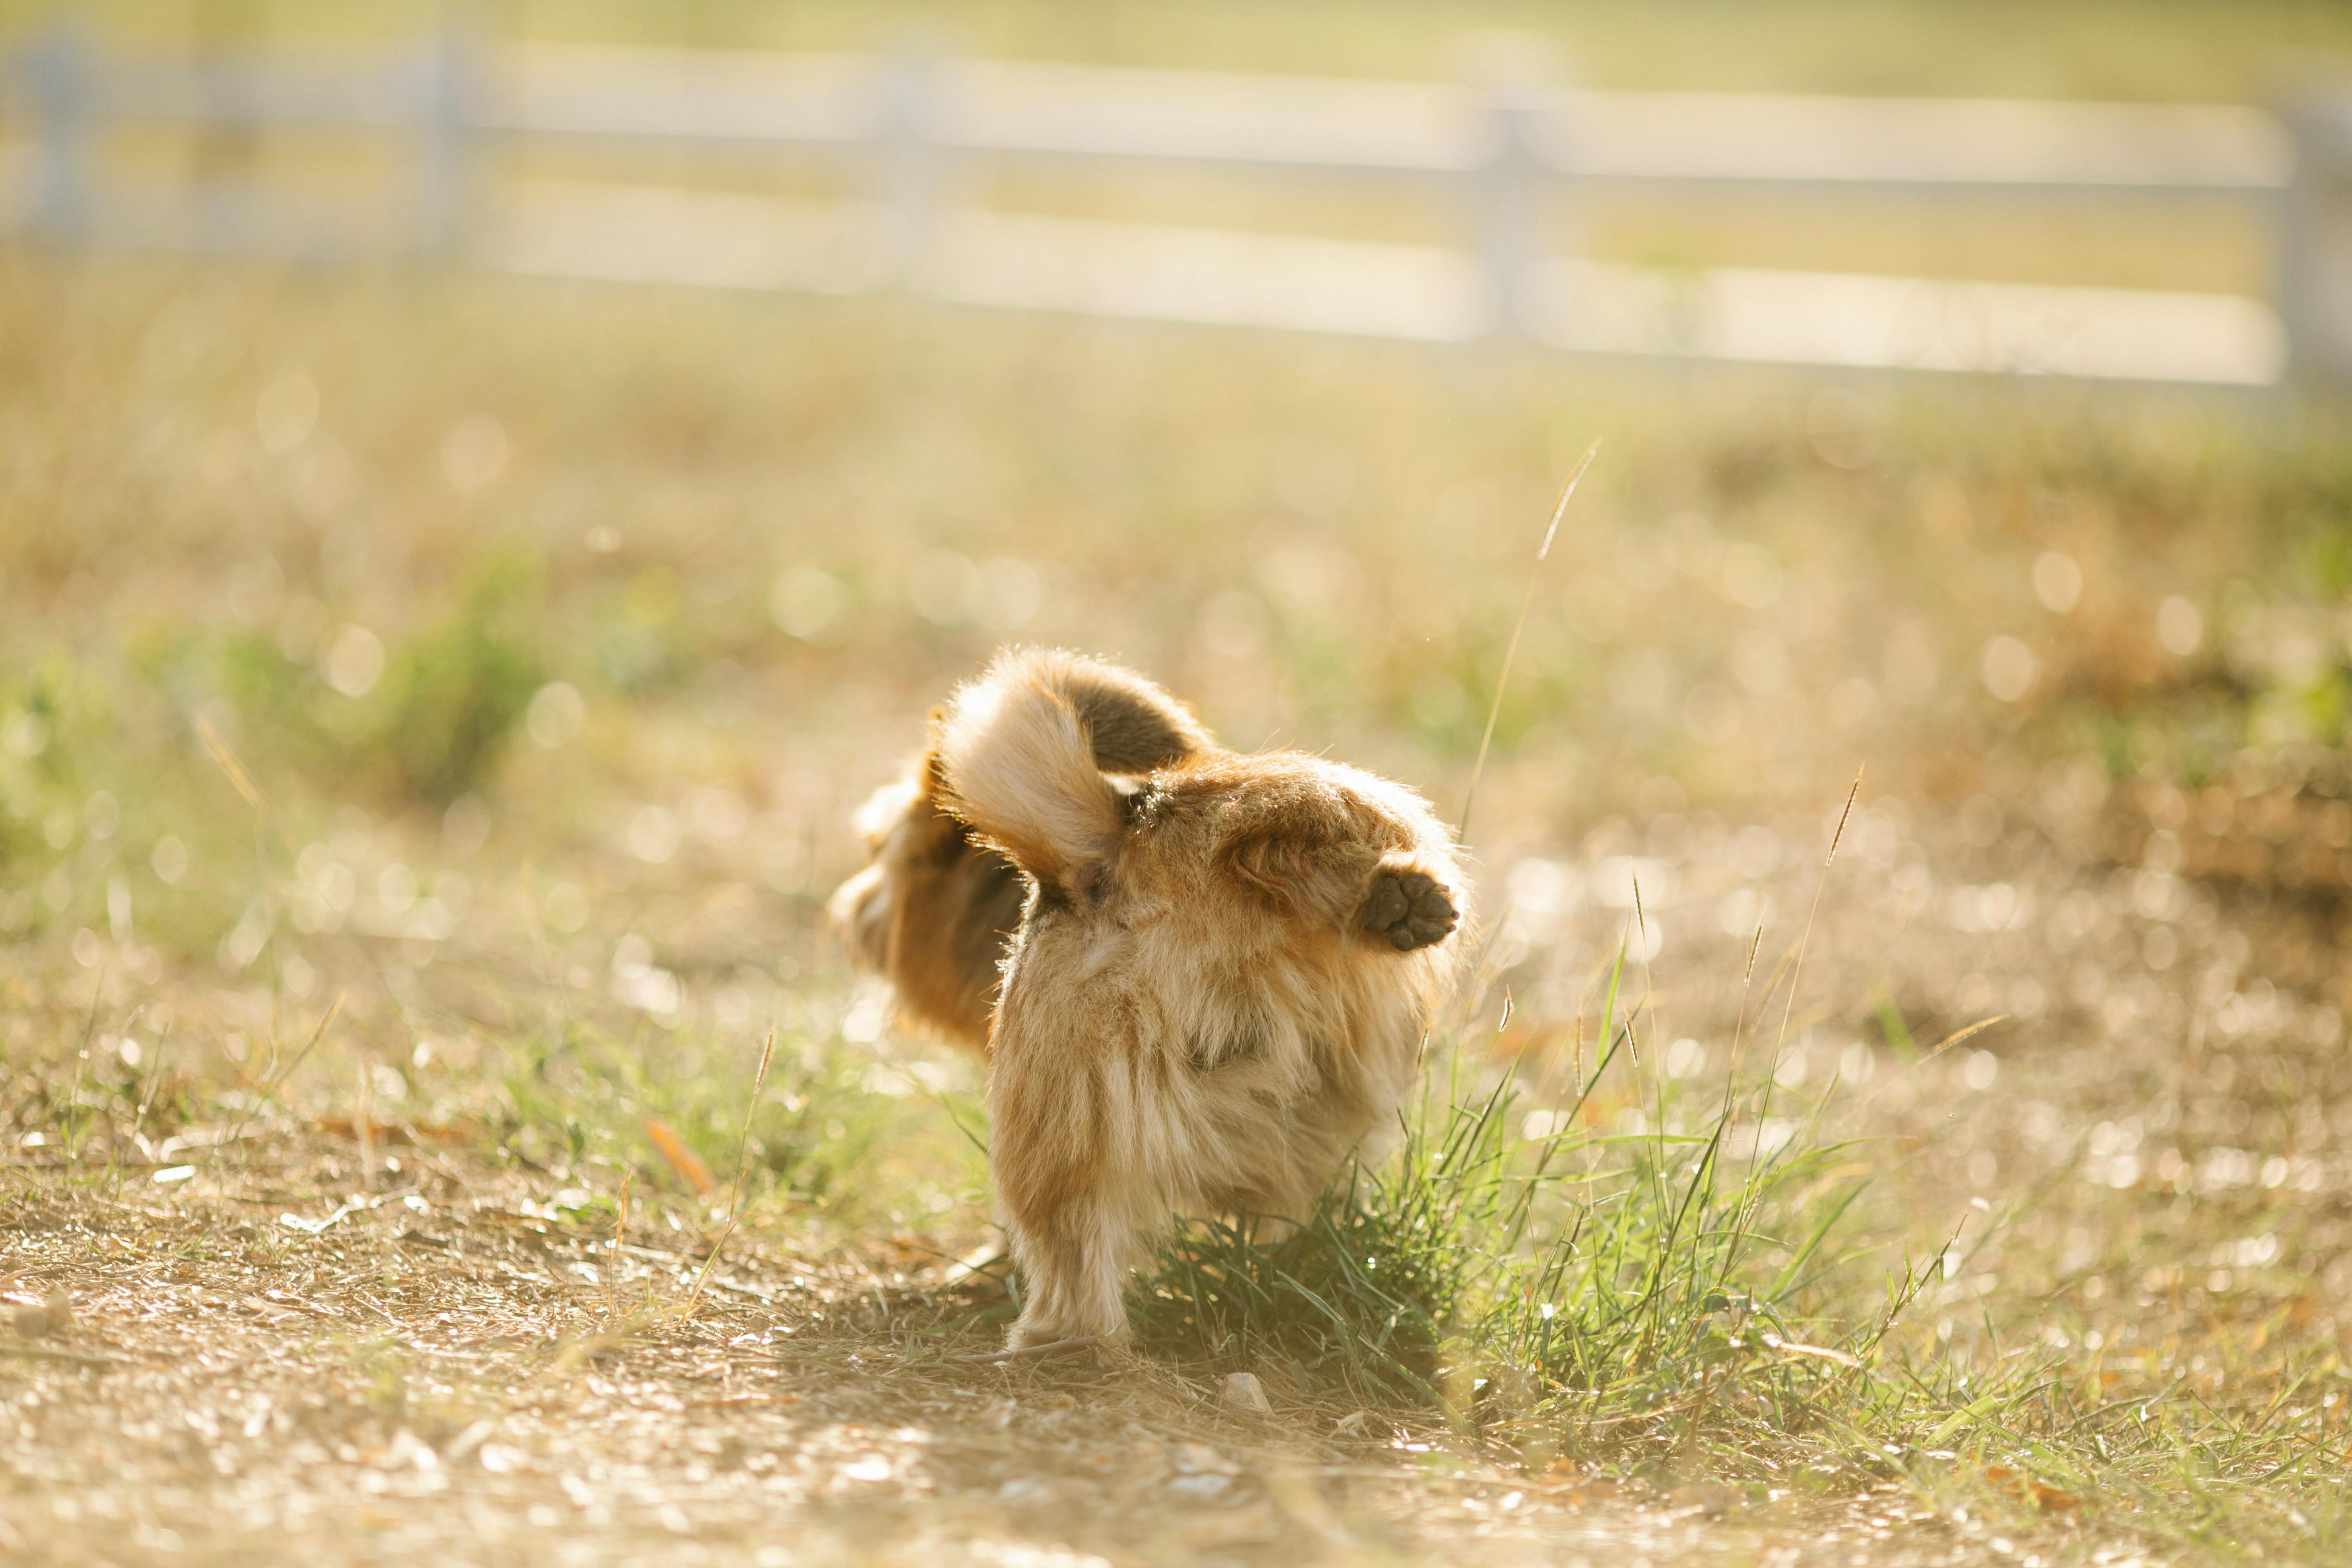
[[936, 912], [1219, 986]]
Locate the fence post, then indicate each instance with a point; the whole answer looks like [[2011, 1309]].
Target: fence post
[[446, 140], [1516, 80], [2315, 238], [225, 137], [908, 152], [65, 102]]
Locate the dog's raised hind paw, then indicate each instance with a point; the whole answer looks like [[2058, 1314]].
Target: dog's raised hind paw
[[1411, 908]]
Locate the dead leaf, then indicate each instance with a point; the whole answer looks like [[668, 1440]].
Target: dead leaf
[[685, 1162], [2048, 1499], [1772, 1342], [397, 1133]]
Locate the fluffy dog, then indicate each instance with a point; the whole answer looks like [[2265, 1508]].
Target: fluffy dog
[[936, 910], [1222, 973]]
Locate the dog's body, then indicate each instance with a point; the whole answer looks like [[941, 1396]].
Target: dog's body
[[936, 912], [1222, 975]]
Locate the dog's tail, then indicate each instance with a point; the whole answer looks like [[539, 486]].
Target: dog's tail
[[1134, 725], [1024, 749]]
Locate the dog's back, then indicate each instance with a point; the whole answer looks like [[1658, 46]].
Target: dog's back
[[934, 911]]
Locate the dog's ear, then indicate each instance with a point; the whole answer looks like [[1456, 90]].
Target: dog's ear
[[1018, 762], [860, 910], [884, 809], [933, 770]]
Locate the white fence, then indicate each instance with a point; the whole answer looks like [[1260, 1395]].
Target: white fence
[[1510, 155]]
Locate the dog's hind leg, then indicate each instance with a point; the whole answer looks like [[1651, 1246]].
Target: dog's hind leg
[[1399, 897], [1072, 1261], [1071, 1241], [1067, 1150]]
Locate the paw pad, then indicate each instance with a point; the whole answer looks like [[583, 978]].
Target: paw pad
[[1411, 909]]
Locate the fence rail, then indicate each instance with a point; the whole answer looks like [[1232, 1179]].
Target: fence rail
[[1511, 151]]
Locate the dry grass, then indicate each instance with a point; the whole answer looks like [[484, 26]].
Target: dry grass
[[438, 1384], [2145, 1166]]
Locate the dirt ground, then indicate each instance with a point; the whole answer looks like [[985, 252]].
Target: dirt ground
[[267, 1340], [335, 1400]]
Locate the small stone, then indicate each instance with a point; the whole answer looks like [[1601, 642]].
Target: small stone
[[1241, 1391], [1200, 1459], [1711, 1500], [1201, 1487], [1243, 1527], [53, 1316], [467, 1441]]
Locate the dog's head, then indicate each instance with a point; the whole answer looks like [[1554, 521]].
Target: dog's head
[[859, 909], [934, 909]]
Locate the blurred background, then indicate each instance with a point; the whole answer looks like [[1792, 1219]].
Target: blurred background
[[550, 458], [486, 491]]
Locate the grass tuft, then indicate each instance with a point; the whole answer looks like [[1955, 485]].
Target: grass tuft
[[425, 718], [1654, 1273]]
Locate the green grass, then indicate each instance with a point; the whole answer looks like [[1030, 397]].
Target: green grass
[[1666, 1300], [1566, 1283], [722, 442], [425, 720]]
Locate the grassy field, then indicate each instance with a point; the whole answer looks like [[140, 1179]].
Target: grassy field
[[430, 710]]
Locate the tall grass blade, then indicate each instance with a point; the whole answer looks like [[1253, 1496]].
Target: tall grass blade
[[1511, 650]]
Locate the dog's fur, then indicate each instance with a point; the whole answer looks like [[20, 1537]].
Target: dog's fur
[[936, 910], [1222, 971]]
